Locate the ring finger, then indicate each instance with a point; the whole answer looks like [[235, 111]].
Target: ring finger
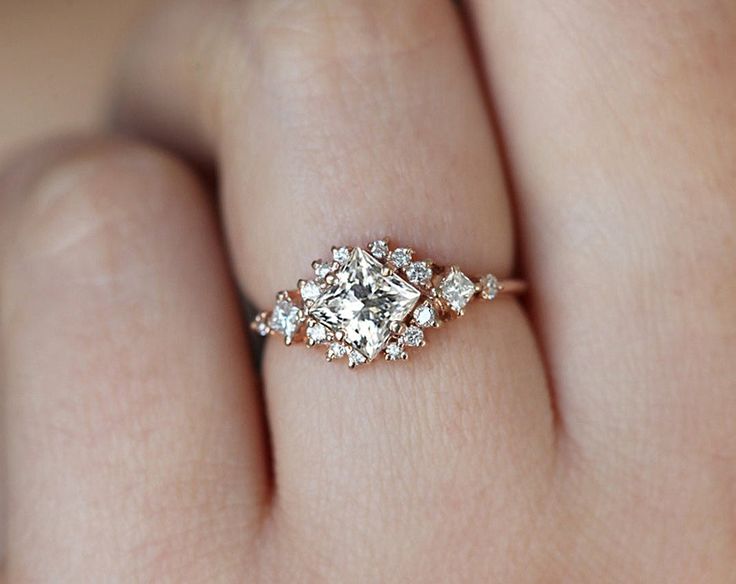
[[338, 123]]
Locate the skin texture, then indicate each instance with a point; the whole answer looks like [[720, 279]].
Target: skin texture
[[584, 435]]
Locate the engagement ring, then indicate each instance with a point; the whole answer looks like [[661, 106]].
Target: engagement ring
[[375, 301]]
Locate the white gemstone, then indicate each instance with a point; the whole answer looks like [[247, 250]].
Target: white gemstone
[[413, 336], [341, 255], [336, 351], [395, 351], [321, 269], [362, 303], [285, 318], [418, 273], [378, 248], [457, 289], [425, 316], [317, 333], [262, 328], [356, 358], [401, 257], [490, 286], [310, 291]]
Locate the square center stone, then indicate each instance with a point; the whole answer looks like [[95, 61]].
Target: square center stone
[[362, 303]]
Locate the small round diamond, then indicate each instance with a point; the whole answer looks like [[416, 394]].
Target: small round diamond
[[378, 248], [425, 316], [321, 269], [413, 336], [356, 358], [285, 318], [401, 257], [457, 289], [336, 351], [262, 328], [317, 333], [490, 287], [418, 273], [310, 291], [395, 351], [341, 255]]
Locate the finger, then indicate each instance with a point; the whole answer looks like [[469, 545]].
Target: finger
[[134, 439], [627, 204], [336, 123]]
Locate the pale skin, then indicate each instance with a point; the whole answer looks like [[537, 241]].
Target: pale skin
[[586, 433]]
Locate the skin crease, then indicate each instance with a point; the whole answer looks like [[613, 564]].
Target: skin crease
[[584, 435]]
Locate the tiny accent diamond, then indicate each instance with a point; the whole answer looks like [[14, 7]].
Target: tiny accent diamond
[[413, 336], [262, 328], [457, 289], [378, 248], [356, 358], [336, 351], [317, 333], [425, 316], [285, 318], [321, 269], [401, 257], [341, 255], [490, 287], [395, 351], [418, 273], [310, 291]]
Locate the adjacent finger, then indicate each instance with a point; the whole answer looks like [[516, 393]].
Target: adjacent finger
[[135, 443], [336, 123], [619, 125]]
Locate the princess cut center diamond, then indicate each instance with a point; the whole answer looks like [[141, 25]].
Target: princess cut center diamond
[[362, 303]]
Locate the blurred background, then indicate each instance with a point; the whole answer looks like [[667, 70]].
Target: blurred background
[[57, 60]]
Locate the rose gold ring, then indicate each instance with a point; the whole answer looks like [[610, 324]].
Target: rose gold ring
[[373, 301]]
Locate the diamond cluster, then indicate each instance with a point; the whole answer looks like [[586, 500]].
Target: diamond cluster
[[371, 301]]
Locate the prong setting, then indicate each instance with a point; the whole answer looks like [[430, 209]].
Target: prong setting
[[373, 300]]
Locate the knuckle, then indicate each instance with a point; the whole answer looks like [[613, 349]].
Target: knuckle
[[319, 49], [91, 200]]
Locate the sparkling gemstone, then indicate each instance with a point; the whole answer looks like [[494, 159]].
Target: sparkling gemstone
[[401, 257], [341, 255], [317, 333], [363, 302], [262, 328], [356, 358], [425, 316], [310, 291], [418, 273], [378, 248], [321, 269], [336, 351], [490, 287], [457, 289], [395, 351], [285, 318], [413, 336]]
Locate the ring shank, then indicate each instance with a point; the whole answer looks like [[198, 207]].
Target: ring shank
[[512, 287]]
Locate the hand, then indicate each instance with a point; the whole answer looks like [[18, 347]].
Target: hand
[[586, 434]]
